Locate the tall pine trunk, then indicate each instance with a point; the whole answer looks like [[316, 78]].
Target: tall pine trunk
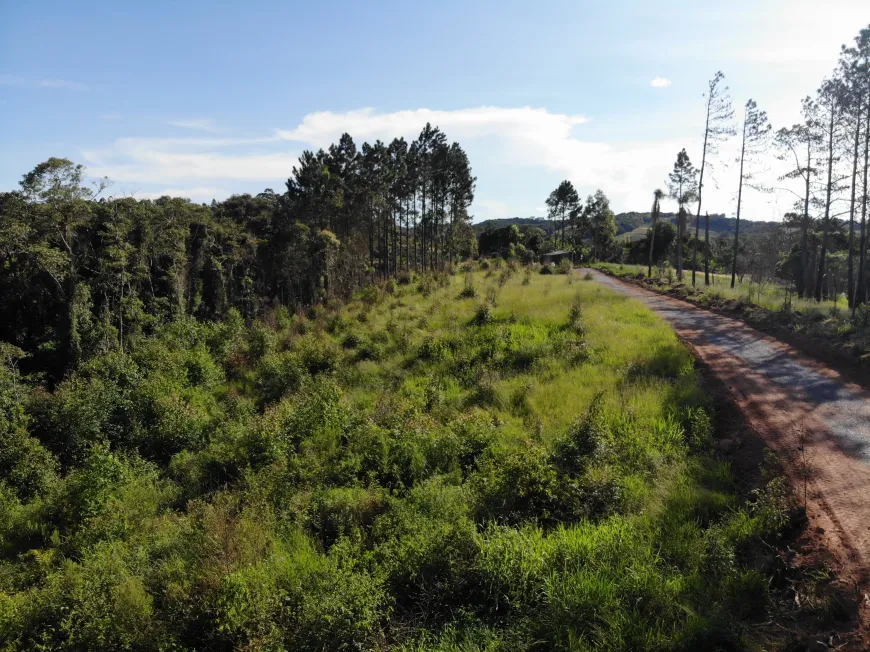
[[706, 248], [739, 201], [700, 192], [861, 289], [805, 228], [826, 223], [850, 294]]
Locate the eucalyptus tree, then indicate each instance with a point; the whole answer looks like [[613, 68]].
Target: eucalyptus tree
[[655, 213], [799, 145], [754, 141], [682, 186], [717, 127]]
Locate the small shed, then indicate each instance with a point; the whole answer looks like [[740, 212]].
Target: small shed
[[554, 257]]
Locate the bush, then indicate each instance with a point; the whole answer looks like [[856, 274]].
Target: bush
[[546, 268], [405, 278], [278, 374], [351, 341], [317, 355], [564, 266], [483, 315], [575, 316], [584, 439], [468, 291]]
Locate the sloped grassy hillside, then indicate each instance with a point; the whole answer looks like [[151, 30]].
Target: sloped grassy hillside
[[496, 460]]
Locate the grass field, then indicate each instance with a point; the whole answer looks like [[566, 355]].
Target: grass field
[[498, 460], [640, 233], [633, 236]]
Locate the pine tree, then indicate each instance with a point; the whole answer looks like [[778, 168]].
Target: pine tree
[[682, 184], [754, 141], [717, 127]]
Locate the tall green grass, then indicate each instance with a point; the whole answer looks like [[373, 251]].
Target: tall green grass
[[496, 460]]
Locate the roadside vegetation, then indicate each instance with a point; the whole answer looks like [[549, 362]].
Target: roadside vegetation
[[497, 459], [828, 326]]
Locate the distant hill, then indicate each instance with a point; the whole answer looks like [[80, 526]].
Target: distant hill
[[540, 222], [633, 222]]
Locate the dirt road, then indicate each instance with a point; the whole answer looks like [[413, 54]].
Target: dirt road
[[781, 394]]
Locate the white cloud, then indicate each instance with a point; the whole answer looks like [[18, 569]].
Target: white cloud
[[660, 82], [325, 127], [197, 124], [12, 80], [174, 160]]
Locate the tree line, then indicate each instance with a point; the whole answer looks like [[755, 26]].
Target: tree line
[[82, 271], [826, 154]]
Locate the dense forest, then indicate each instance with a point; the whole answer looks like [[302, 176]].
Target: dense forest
[[84, 272]]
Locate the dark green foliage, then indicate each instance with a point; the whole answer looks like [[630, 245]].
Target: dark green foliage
[[26, 467]]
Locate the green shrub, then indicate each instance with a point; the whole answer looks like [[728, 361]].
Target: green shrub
[[483, 315], [518, 486], [351, 341], [468, 291], [405, 278], [584, 439], [546, 268], [278, 374], [564, 266], [318, 355]]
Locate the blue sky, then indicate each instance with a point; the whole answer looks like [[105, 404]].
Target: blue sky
[[204, 99]]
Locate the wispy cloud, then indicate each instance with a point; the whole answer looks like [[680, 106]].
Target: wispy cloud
[[660, 82], [197, 124], [61, 83], [12, 80]]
